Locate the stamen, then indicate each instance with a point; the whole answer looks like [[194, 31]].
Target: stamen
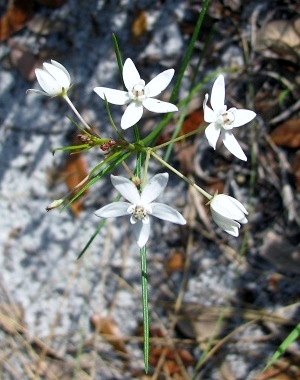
[[139, 212]]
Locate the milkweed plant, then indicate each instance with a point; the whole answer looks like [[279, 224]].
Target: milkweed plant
[[138, 192]]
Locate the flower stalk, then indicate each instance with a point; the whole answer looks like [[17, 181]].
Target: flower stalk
[[73, 108], [180, 175]]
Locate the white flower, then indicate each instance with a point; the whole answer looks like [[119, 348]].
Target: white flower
[[141, 205], [228, 213], [53, 78], [223, 120], [138, 95]]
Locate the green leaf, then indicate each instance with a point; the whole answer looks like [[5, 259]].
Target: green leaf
[[121, 157], [72, 147], [189, 51], [118, 54], [97, 230], [293, 335]]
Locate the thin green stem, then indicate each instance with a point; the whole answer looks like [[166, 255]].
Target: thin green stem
[[186, 179], [67, 99], [189, 52], [179, 138], [111, 119], [144, 179], [145, 306], [118, 54]]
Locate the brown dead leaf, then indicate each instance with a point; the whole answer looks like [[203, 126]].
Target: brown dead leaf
[[173, 357], [192, 122], [75, 172], [108, 327], [296, 169], [281, 37], [281, 370], [11, 318], [280, 252], [287, 134], [24, 60], [18, 12], [175, 262], [139, 24]]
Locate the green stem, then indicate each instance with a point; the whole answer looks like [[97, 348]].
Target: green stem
[[182, 137], [118, 55], [189, 52], [67, 99], [186, 179], [144, 179], [145, 306]]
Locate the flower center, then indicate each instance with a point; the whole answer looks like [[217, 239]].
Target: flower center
[[139, 212], [226, 119], [138, 91]]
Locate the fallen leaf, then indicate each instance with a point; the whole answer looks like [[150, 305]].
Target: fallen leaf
[[296, 169], [11, 318], [192, 122], [175, 262], [75, 171], [287, 134], [171, 365], [139, 24], [107, 326], [281, 370], [24, 60], [280, 37], [18, 12], [281, 253]]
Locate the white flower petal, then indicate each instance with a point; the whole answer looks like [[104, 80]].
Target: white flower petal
[[158, 106], [59, 75], [165, 212], [126, 188], [159, 83], [228, 225], [239, 205], [62, 68], [217, 98], [37, 91], [132, 115], [47, 82], [209, 115], [113, 210], [229, 207], [242, 117], [212, 133], [142, 232], [130, 74], [232, 145], [113, 96], [154, 188]]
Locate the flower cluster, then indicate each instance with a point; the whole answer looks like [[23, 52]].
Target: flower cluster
[[227, 212]]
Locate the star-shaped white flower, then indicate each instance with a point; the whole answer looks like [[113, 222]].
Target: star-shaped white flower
[[53, 78], [223, 121], [141, 205], [228, 213], [139, 94]]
